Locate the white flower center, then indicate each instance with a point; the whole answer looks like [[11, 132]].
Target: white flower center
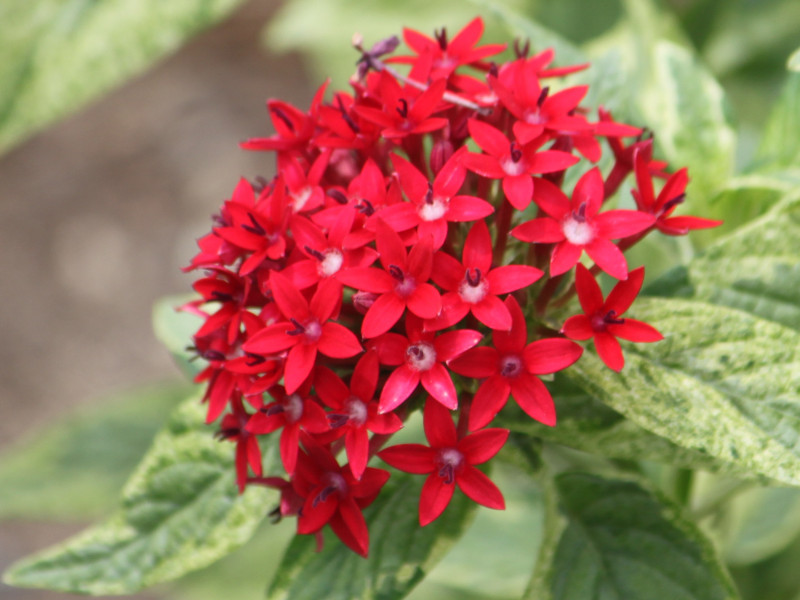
[[421, 356], [577, 232], [513, 168], [300, 198], [356, 411], [473, 291], [331, 262], [433, 210]]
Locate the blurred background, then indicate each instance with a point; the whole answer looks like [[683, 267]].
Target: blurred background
[[99, 210]]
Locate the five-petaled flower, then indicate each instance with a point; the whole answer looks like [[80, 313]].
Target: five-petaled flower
[[450, 461], [602, 320]]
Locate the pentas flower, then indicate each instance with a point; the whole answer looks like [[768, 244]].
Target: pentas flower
[[445, 55], [293, 127], [671, 195], [248, 453], [420, 358], [576, 225], [513, 162], [334, 496], [354, 412], [512, 367], [290, 413], [403, 284], [473, 286], [306, 331], [450, 462], [432, 205], [602, 319], [406, 111]]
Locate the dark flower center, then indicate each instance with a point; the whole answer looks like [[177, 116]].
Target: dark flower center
[[510, 366], [449, 461]]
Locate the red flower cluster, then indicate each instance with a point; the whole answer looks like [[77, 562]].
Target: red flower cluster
[[364, 280]]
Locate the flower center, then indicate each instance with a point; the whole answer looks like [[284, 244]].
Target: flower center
[[356, 411], [421, 356], [449, 461], [311, 330], [474, 287], [300, 198], [510, 365], [405, 285], [293, 408], [331, 262], [577, 230], [433, 210], [600, 321], [333, 482]]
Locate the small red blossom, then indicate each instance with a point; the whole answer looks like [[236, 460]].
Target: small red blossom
[[602, 320], [577, 225], [354, 413], [334, 496], [248, 453], [290, 413], [513, 162], [671, 195], [420, 358], [307, 330], [403, 284], [512, 368], [449, 461], [473, 286]]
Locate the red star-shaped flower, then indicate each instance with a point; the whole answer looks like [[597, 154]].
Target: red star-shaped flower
[[472, 284], [602, 320], [512, 367], [334, 496], [306, 331], [578, 225], [449, 462]]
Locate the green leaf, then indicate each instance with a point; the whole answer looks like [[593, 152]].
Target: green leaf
[[755, 269], [175, 329], [722, 383], [180, 511], [780, 144], [539, 36], [686, 108], [59, 54], [401, 552], [622, 542], [759, 523], [793, 63], [83, 460], [586, 424]]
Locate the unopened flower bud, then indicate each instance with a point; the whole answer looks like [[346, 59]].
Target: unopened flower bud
[[363, 300], [441, 152]]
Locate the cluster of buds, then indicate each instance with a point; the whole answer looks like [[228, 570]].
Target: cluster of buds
[[410, 254]]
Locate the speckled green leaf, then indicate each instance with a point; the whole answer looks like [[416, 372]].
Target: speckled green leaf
[[180, 511], [58, 54], [586, 424], [755, 269], [686, 108], [622, 542], [722, 383], [175, 329], [780, 144], [401, 552], [83, 460]]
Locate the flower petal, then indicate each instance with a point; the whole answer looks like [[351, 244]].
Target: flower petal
[[489, 400], [624, 293], [398, 388], [510, 278], [482, 445], [409, 458], [435, 497], [608, 257], [440, 386], [534, 398], [479, 488], [635, 331], [578, 327], [609, 350], [550, 355], [565, 256], [518, 190], [542, 230], [382, 315], [338, 342], [298, 366], [589, 293]]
